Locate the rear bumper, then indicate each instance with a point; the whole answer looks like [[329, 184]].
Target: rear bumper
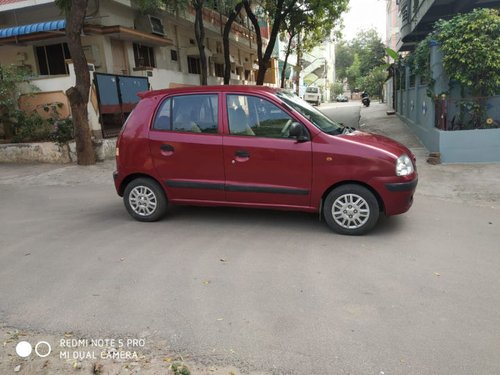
[[311, 99], [117, 180]]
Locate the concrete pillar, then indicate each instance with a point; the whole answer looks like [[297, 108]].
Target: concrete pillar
[[437, 70]]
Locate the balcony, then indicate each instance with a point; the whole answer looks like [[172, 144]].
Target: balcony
[[418, 16]]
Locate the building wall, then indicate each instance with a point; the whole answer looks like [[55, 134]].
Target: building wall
[[418, 110], [114, 13], [393, 25]]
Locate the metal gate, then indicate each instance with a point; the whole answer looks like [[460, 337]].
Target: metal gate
[[117, 97]]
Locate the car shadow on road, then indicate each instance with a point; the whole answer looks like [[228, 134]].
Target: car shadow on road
[[233, 217], [279, 220]]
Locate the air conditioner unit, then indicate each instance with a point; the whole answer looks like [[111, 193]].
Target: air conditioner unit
[[149, 24]]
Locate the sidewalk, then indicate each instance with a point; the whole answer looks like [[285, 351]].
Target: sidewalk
[[477, 184]]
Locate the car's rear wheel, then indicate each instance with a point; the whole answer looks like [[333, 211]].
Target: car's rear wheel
[[351, 209], [145, 200]]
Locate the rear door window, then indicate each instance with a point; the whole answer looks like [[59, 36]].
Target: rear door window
[[188, 113]]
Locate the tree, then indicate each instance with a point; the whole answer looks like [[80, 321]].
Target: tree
[[225, 40], [263, 59], [337, 88], [199, 33], [368, 45], [291, 36], [373, 82], [292, 26], [319, 19], [357, 58], [310, 23], [78, 95], [344, 57], [353, 73]]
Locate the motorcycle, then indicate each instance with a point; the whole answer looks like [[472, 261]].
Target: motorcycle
[[366, 101]]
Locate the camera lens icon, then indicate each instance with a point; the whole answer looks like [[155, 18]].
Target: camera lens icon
[[42, 349], [23, 349]]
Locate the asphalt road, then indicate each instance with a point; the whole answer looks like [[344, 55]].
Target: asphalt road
[[265, 291], [346, 113]]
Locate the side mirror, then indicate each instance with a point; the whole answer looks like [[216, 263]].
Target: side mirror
[[298, 131]]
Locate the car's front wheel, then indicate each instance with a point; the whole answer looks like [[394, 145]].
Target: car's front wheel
[[145, 200], [351, 209]]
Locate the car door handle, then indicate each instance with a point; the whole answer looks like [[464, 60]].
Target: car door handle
[[242, 154], [167, 149]]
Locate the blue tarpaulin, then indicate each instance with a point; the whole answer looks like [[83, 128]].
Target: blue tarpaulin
[[33, 28]]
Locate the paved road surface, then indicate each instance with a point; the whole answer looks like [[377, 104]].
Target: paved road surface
[[419, 295], [346, 113]]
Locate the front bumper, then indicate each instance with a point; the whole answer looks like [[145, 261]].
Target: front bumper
[[402, 186], [396, 193], [398, 196]]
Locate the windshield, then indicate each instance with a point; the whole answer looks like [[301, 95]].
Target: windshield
[[318, 119], [312, 89]]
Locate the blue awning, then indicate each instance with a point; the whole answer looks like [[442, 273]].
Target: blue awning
[[33, 28]]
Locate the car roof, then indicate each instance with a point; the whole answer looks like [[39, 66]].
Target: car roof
[[213, 88]]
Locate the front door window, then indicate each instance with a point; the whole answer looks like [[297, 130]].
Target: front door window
[[251, 115]]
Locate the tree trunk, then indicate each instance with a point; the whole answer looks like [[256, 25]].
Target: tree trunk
[[287, 53], [256, 26], [278, 18], [78, 95], [225, 40], [299, 65], [199, 32]]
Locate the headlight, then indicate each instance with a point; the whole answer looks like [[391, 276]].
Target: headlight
[[404, 166]]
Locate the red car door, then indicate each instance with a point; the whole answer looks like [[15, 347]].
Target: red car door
[[186, 147], [263, 165]]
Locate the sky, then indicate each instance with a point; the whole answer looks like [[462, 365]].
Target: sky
[[364, 14]]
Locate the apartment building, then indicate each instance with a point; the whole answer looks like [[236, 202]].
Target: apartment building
[[127, 52]]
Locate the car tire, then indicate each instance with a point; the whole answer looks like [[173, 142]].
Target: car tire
[[351, 209], [145, 200]]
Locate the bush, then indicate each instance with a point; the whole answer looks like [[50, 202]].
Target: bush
[[10, 78], [64, 131], [30, 128], [471, 48], [471, 57]]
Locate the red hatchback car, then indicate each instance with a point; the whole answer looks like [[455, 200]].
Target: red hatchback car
[[254, 146]]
